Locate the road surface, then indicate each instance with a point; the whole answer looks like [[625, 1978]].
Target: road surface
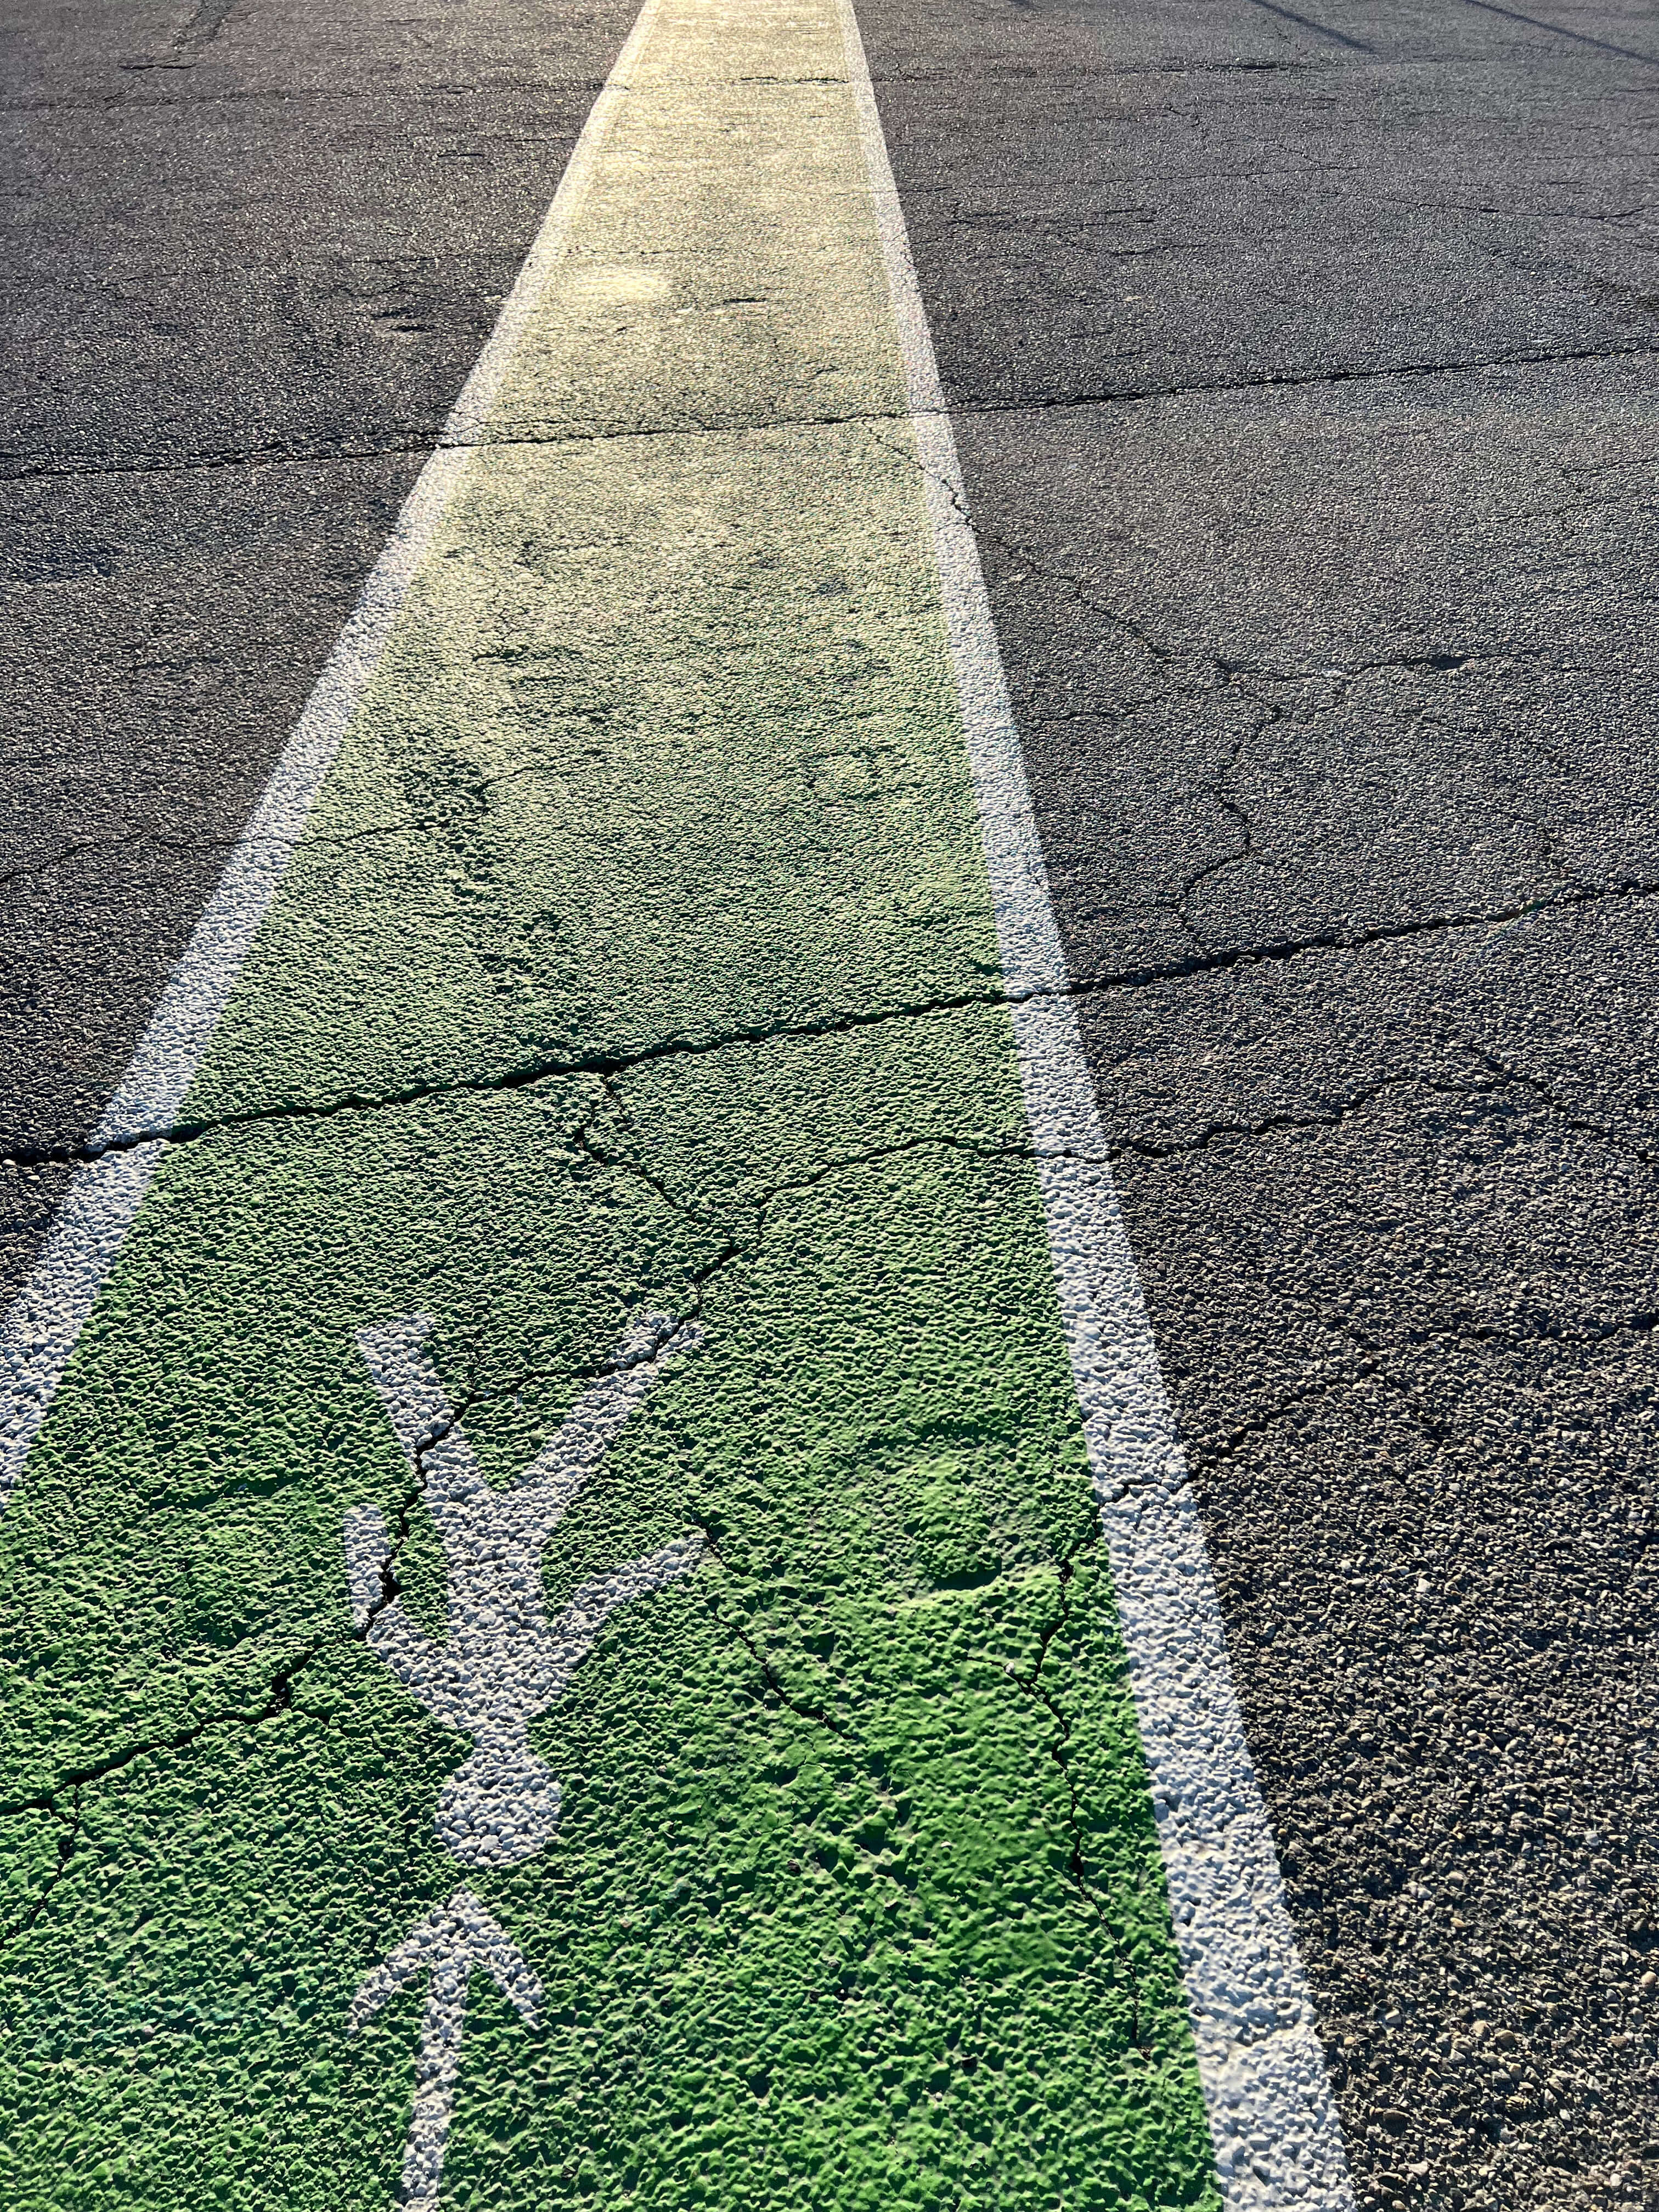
[[660, 941]]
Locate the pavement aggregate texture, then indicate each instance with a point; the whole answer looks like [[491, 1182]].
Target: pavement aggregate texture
[[1303, 367], [249, 256], [628, 1024], [1301, 363]]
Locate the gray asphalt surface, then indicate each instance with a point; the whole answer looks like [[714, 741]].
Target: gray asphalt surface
[[1304, 370], [1305, 376], [248, 255]]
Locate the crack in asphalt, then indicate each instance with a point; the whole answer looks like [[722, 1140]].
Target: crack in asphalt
[[1227, 676], [69, 1838], [1267, 1125], [279, 1701], [991, 997], [764, 1667], [1077, 1872], [1580, 1124], [1076, 1868], [734, 1249], [1366, 1364], [380, 93], [761, 1202], [620, 1063], [205, 25], [1366, 1361], [1202, 1459], [153, 838], [1500, 1074], [16, 468], [1237, 813]]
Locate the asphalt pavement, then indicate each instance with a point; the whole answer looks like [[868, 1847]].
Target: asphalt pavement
[[1301, 365]]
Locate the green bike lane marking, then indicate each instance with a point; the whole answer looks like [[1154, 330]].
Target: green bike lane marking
[[649, 883]]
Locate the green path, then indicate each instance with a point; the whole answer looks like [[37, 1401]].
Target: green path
[[857, 1898]]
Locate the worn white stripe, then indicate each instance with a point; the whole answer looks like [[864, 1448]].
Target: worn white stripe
[[49, 1312], [1277, 2137]]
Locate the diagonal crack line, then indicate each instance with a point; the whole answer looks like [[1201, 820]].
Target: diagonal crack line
[[732, 1247], [759, 1203], [1058, 1750], [154, 840], [1367, 1355], [764, 1667], [279, 1700], [1580, 1124], [281, 1696], [1080, 587], [554, 1068], [1202, 1459]]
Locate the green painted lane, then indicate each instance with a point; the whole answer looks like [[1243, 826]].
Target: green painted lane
[[646, 899]]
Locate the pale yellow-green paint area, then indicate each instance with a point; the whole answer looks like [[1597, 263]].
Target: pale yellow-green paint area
[[686, 684], [726, 271]]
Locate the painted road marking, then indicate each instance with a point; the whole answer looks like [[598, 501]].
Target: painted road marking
[[47, 1317], [647, 893], [1277, 2136], [502, 1662], [444, 1950]]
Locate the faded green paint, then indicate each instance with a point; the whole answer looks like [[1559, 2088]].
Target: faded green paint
[[857, 1898]]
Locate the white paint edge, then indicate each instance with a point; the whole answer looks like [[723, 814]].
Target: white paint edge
[[1278, 2139], [45, 1319]]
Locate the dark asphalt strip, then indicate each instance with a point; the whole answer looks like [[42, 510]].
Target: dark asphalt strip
[[266, 231], [1329, 652]]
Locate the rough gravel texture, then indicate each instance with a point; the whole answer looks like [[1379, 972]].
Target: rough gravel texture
[[1305, 368]]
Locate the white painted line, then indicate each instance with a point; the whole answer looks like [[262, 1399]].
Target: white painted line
[[445, 1947], [47, 1317], [503, 1662], [1278, 2139]]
